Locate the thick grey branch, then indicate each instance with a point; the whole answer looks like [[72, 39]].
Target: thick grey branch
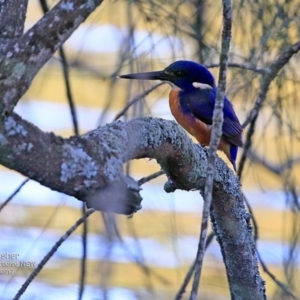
[[90, 168], [22, 58], [80, 166], [234, 234], [12, 18]]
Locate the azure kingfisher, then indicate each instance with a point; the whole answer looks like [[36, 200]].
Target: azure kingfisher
[[192, 100]]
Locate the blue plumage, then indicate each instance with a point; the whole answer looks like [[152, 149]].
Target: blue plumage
[[192, 101]]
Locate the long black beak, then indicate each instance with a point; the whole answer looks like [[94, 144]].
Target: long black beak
[[158, 75]]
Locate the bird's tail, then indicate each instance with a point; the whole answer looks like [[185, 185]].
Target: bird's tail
[[233, 155]]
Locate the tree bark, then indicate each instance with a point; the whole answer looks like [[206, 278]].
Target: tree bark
[[90, 167], [22, 58], [12, 17]]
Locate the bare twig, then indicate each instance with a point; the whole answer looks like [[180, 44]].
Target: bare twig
[[47, 35], [13, 194], [270, 73], [176, 154], [150, 177], [134, 256], [191, 270], [268, 77], [66, 76], [240, 66], [136, 99], [51, 252], [272, 276], [84, 253], [264, 266], [277, 169], [213, 145]]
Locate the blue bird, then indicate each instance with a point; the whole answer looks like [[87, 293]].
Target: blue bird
[[192, 100]]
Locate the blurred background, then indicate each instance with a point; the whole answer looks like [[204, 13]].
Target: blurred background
[[148, 255]]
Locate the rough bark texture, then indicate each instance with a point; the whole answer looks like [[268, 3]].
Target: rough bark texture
[[231, 224], [90, 167], [216, 134], [22, 58], [12, 16]]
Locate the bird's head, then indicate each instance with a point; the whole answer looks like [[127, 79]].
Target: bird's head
[[181, 75]]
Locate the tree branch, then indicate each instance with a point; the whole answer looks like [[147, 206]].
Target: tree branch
[[82, 164], [240, 66], [226, 214], [89, 167], [267, 78], [5, 202], [136, 99], [214, 142], [47, 257], [269, 75], [12, 18], [277, 169], [22, 58]]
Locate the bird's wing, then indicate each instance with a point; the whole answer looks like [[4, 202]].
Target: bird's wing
[[232, 128], [202, 104]]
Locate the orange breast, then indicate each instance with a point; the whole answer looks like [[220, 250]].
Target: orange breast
[[192, 125], [195, 127]]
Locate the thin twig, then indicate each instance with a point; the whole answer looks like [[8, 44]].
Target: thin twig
[[272, 276], [134, 256], [150, 177], [214, 142], [84, 253], [270, 73], [13, 194], [70, 99], [83, 206], [277, 169], [253, 218], [191, 270], [240, 66], [51, 252], [66, 76], [264, 266], [268, 77], [136, 99]]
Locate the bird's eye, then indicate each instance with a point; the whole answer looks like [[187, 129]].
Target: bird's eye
[[179, 73]]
